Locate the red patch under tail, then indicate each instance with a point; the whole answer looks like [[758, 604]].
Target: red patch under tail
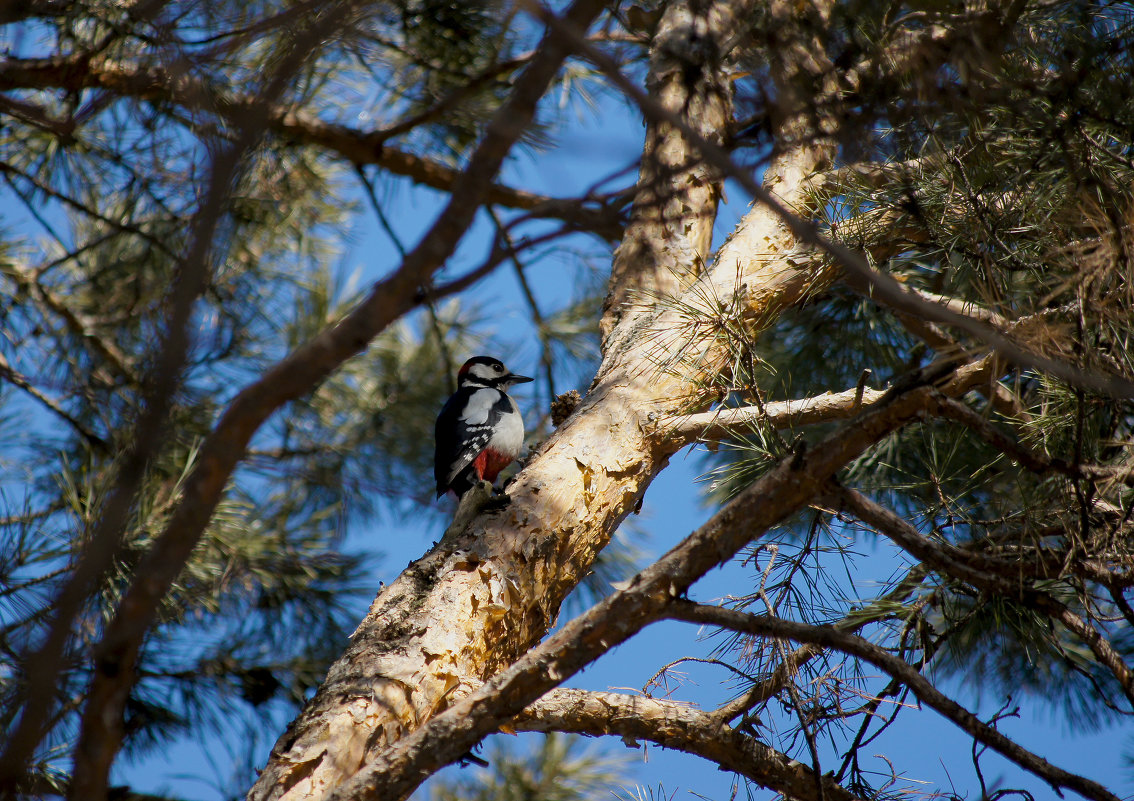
[[489, 464]]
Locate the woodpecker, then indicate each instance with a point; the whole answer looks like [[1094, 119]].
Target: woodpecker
[[479, 431]]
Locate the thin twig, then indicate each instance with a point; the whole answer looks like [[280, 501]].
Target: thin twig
[[792, 690], [19, 380], [968, 567]]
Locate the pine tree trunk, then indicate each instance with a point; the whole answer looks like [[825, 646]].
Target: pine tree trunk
[[482, 597]]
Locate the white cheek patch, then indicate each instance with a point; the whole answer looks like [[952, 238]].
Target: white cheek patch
[[479, 405], [482, 371]]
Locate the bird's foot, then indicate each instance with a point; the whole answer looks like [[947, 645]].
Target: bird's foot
[[469, 758]]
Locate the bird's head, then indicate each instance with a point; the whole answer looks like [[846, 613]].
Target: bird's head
[[485, 371]]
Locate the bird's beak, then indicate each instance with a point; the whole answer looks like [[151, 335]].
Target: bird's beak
[[518, 379]]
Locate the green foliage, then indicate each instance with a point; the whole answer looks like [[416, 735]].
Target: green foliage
[[1018, 201], [1002, 158], [1013, 651], [439, 44], [98, 218], [1001, 178], [558, 768]]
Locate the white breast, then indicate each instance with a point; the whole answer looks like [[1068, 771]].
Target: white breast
[[508, 437]]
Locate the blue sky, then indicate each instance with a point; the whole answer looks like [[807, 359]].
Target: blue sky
[[923, 747], [929, 752]]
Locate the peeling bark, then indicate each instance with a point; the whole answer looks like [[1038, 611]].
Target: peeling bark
[[395, 771], [671, 224], [481, 598]]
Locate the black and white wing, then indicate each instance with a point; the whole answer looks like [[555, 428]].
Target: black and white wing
[[464, 429]]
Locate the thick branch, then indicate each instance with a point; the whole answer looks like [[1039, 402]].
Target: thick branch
[[297, 374], [42, 666], [829, 637], [102, 726], [858, 273], [16, 10], [474, 604], [376, 706], [358, 147], [682, 727], [665, 241], [396, 770]]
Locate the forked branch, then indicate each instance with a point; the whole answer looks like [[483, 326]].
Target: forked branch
[[830, 637], [396, 770], [975, 569]]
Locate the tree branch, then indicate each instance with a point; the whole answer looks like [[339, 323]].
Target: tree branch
[[37, 116], [16, 10], [102, 725], [682, 727], [485, 596], [962, 564], [674, 184], [1003, 400], [42, 666], [79, 326], [857, 272], [725, 422], [880, 609], [396, 770], [1027, 458], [829, 637], [21, 381], [358, 147]]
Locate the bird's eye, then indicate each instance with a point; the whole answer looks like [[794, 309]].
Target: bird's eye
[[499, 368]]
